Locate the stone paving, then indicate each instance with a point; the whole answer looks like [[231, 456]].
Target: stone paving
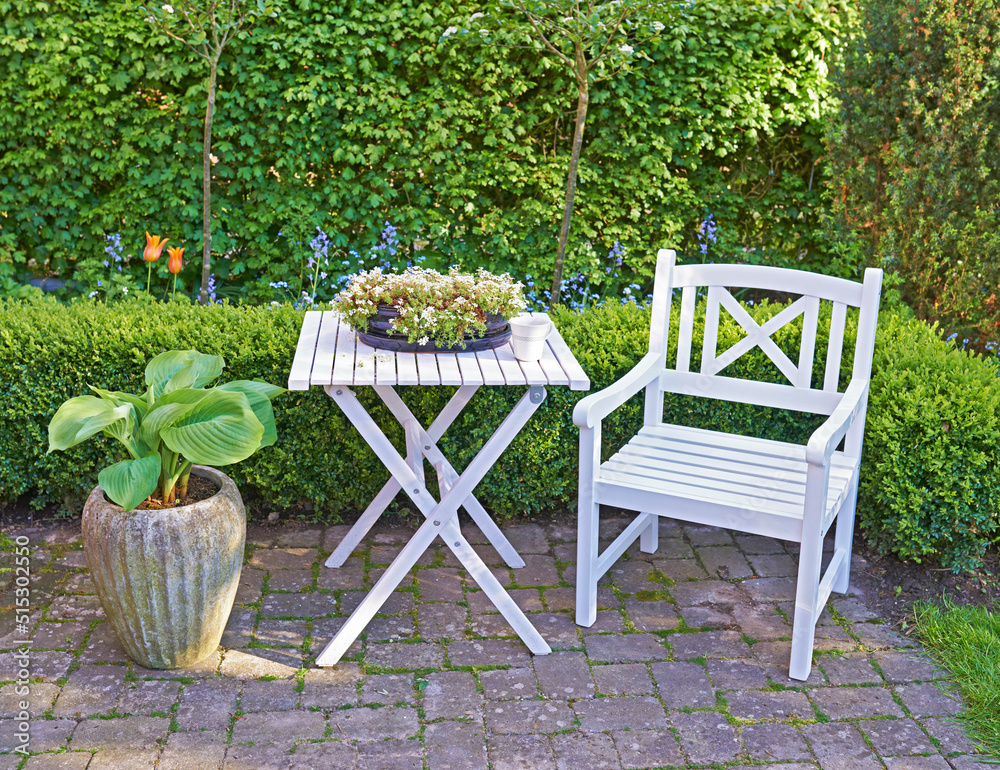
[[686, 667]]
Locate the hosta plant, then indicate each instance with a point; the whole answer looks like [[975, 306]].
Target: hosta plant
[[176, 423]]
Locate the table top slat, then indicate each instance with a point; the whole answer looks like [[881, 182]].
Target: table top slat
[[578, 379], [448, 365], [385, 367], [305, 351], [554, 372], [533, 374], [326, 348], [343, 360], [406, 369], [469, 366], [364, 364], [428, 369], [490, 367], [511, 368]]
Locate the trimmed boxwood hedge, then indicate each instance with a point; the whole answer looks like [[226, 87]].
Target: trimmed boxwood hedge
[[930, 475]]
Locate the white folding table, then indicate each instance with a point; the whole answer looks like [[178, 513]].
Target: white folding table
[[329, 354]]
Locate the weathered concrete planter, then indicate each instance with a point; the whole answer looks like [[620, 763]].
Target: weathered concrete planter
[[167, 578]]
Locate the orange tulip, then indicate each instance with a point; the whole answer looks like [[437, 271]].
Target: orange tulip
[[175, 263], [154, 247]]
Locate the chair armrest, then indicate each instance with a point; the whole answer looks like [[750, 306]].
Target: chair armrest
[[825, 438], [591, 410]]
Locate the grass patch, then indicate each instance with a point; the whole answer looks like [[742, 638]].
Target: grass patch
[[966, 641]]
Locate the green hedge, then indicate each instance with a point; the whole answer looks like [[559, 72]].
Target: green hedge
[[930, 484], [346, 115]]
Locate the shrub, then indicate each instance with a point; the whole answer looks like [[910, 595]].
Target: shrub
[[930, 481], [915, 157], [930, 477]]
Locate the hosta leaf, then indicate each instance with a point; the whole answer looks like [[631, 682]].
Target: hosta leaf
[[80, 418], [176, 369], [130, 482], [219, 430], [257, 394], [118, 398]]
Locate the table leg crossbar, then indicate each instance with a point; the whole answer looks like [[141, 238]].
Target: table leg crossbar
[[441, 517]]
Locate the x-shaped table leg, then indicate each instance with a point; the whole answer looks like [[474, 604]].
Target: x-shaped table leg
[[422, 443], [441, 520]]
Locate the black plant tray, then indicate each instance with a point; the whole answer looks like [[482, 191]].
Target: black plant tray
[[399, 344]]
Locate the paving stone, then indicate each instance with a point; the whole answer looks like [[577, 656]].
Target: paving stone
[[902, 667], [575, 750], [193, 751], [683, 685], [283, 558], [333, 535], [239, 628], [973, 762], [399, 601], [564, 675], [388, 689], [833, 638], [725, 562], [712, 593], [51, 734], [72, 761], [390, 755], [509, 684], [298, 605], [148, 697], [90, 690], [368, 724], [490, 626], [440, 621], [706, 536], [350, 575], [249, 588], [707, 618], [517, 752], [623, 679], [489, 652], [706, 737], [768, 565], [520, 717], [839, 746], [558, 629], [646, 748], [608, 622], [390, 628], [406, 656], [452, 695], [527, 538], [891, 737], [301, 538], [75, 607], [709, 644], [773, 589], [880, 636], [124, 733], [950, 734], [207, 704], [278, 727], [438, 584], [775, 656], [681, 571], [737, 675], [277, 695], [124, 759], [456, 745], [563, 599], [332, 687], [538, 570], [855, 702], [631, 648], [929, 700], [651, 615], [765, 704], [322, 756], [290, 580], [638, 713], [757, 544], [853, 668], [264, 756], [917, 763], [325, 629], [59, 636], [528, 599], [40, 698], [775, 742], [253, 664], [102, 646], [48, 666]]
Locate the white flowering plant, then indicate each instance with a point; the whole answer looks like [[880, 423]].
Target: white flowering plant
[[445, 308]]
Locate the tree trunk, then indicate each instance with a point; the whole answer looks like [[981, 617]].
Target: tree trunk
[[581, 118], [206, 255]]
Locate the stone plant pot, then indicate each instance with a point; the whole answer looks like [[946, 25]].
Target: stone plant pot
[[167, 578]]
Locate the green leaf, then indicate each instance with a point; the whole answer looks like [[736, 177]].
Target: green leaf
[[176, 369], [130, 482], [80, 418], [118, 398], [219, 430], [256, 391]]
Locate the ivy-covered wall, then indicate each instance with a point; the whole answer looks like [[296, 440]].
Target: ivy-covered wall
[[345, 115]]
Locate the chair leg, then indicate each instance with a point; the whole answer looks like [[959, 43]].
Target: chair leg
[[844, 539], [806, 611], [650, 537], [586, 563]]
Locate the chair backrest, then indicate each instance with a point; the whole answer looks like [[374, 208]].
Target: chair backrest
[[713, 282]]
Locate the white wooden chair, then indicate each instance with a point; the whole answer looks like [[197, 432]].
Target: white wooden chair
[[786, 491]]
